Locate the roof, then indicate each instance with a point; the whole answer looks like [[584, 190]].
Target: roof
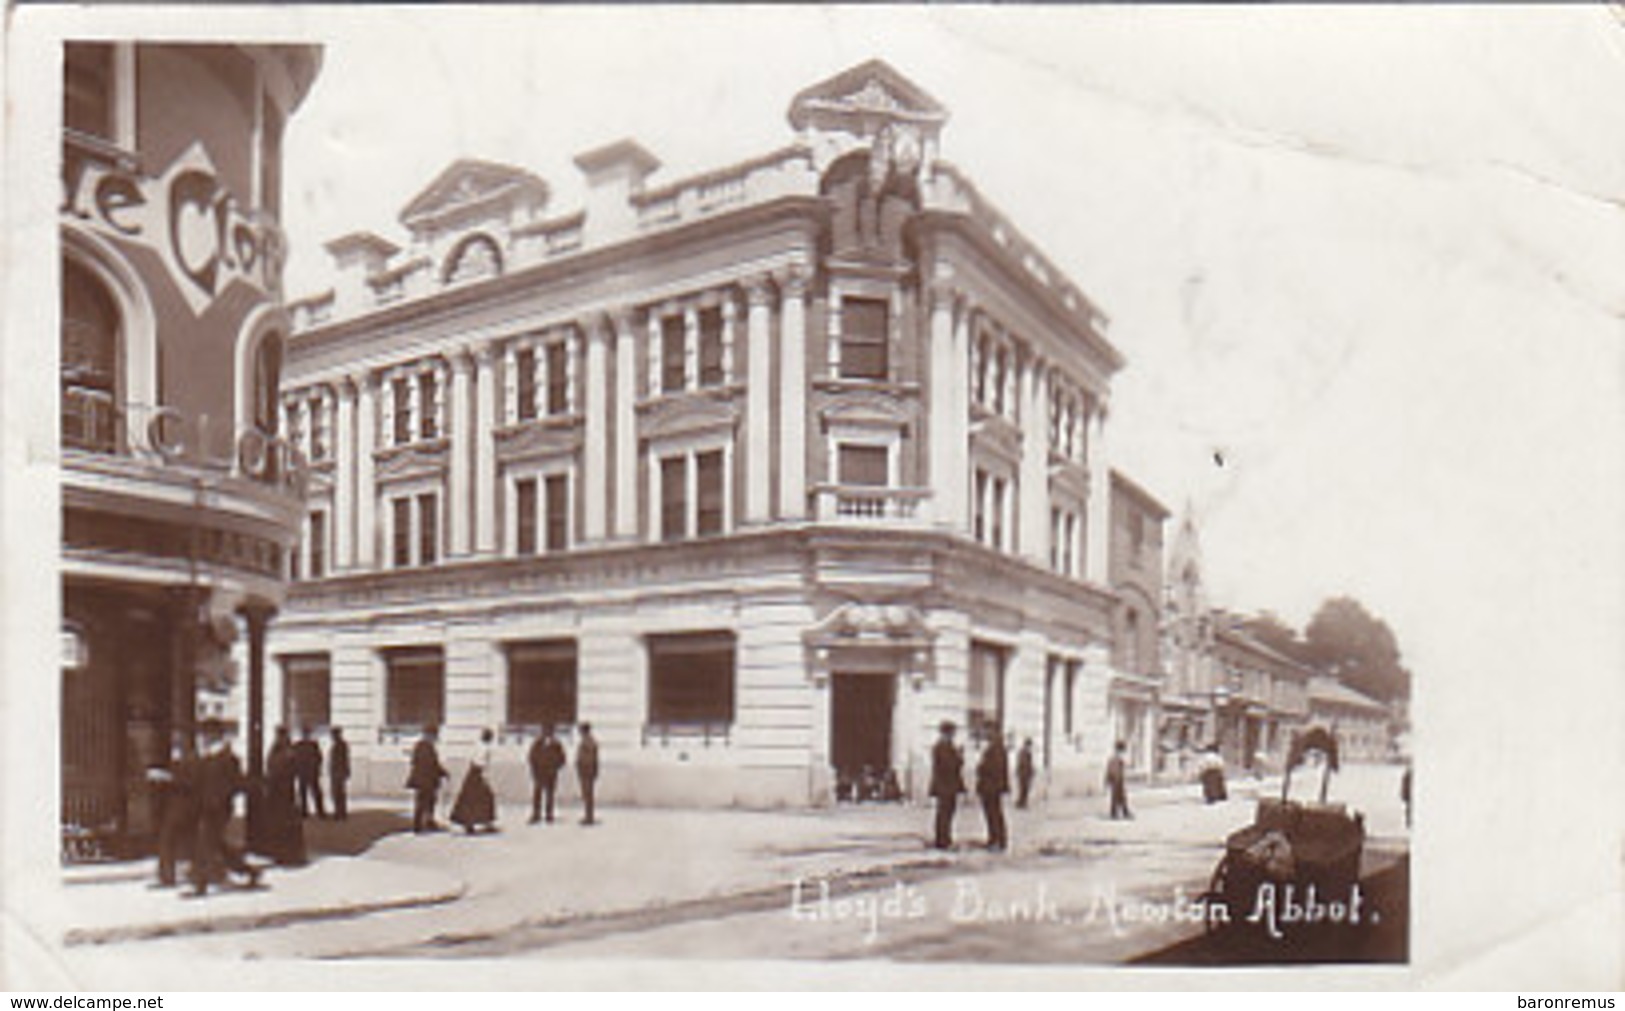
[[1138, 493], [1326, 689], [1238, 637]]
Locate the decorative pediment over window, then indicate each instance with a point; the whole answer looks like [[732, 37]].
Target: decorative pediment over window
[[681, 417], [865, 410], [471, 191]]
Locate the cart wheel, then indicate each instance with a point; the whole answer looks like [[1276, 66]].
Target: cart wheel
[[1216, 894]]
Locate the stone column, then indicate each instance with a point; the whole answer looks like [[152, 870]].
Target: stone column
[[1097, 527], [366, 493], [945, 458], [1034, 489], [258, 618], [793, 394], [758, 402], [958, 479], [626, 433], [595, 438], [462, 433], [484, 444], [344, 459]]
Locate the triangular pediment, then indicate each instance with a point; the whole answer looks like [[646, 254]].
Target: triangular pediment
[[469, 183], [865, 93]]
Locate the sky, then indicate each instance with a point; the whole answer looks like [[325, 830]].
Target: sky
[[1357, 255]]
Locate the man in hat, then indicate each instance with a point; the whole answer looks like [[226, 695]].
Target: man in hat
[[1024, 772], [946, 783], [176, 784], [1117, 782], [992, 783], [546, 759], [307, 773], [424, 781], [219, 781], [587, 770]]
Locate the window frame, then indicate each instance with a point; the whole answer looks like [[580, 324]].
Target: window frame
[[401, 660], [662, 650], [560, 651], [295, 668], [857, 343]]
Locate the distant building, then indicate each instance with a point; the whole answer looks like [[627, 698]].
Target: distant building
[[1261, 697], [1360, 723], [764, 472], [1187, 700], [180, 500], [1136, 578]]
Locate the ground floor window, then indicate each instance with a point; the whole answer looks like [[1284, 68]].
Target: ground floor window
[[415, 687], [691, 679], [542, 683], [306, 691], [985, 690]]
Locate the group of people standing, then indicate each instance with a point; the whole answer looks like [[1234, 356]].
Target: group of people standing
[[197, 792], [993, 782], [475, 806]]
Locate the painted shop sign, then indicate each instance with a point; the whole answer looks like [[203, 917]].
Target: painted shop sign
[[186, 215]]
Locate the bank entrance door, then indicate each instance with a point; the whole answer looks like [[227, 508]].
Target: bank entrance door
[[861, 724]]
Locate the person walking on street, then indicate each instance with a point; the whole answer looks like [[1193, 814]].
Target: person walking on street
[[338, 774], [424, 781], [1117, 783], [546, 759], [219, 781], [947, 782], [1405, 794], [177, 790], [992, 783], [307, 773], [476, 805], [587, 771], [1024, 772]]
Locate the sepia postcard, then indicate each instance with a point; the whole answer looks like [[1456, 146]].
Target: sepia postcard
[[814, 497]]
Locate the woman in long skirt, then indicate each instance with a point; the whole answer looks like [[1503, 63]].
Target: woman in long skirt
[[476, 805]]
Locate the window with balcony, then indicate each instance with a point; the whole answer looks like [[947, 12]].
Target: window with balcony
[[863, 465], [88, 89], [711, 344], [542, 683], [865, 326], [414, 687], [89, 365], [673, 352], [307, 691], [691, 679]]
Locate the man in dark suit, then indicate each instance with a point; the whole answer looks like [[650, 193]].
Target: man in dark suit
[[338, 774], [1117, 782], [424, 781], [176, 785], [219, 781], [546, 759], [946, 783], [307, 773], [587, 770], [992, 783]]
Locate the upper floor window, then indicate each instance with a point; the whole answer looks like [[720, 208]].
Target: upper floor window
[[700, 510], [558, 378], [88, 89], [673, 354], [674, 498], [90, 354], [988, 520], [415, 529], [542, 513], [413, 409], [859, 464], [317, 535], [865, 323], [401, 394], [712, 370], [525, 383], [428, 406], [708, 486]]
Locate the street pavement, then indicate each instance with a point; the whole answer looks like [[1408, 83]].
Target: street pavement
[[727, 883]]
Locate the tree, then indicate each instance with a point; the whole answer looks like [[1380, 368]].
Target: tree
[[1358, 648]]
